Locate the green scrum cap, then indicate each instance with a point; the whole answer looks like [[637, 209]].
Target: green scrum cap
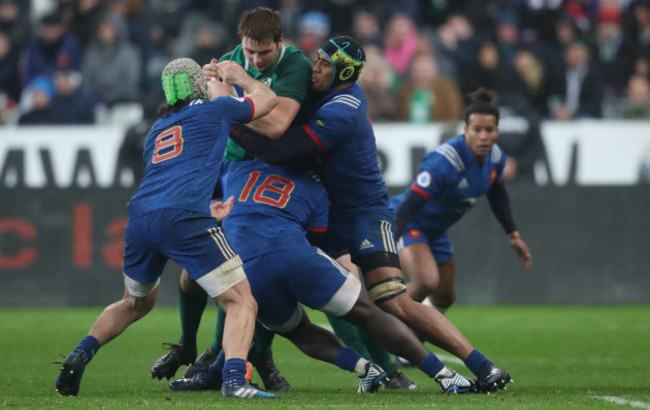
[[183, 78]]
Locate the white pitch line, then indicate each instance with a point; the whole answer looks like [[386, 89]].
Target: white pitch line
[[623, 402]]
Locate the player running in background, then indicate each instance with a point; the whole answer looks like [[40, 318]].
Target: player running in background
[[286, 70], [361, 223], [450, 181], [276, 210], [169, 218]]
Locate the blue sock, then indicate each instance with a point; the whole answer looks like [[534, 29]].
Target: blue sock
[[478, 363], [234, 372], [347, 358], [216, 368], [431, 365], [89, 345]]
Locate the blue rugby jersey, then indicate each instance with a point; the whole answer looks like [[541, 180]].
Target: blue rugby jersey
[[452, 182], [178, 170], [274, 207], [342, 130]]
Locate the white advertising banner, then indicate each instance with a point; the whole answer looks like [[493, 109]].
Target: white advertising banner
[[598, 153]]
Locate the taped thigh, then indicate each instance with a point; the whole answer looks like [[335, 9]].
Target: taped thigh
[[344, 299], [223, 277], [386, 289], [140, 289]]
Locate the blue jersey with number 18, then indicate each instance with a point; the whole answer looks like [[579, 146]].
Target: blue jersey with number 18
[[177, 171], [274, 207]]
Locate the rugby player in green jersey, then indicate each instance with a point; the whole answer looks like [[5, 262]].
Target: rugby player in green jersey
[[287, 71]]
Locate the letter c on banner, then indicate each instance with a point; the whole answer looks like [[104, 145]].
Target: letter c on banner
[[26, 255]]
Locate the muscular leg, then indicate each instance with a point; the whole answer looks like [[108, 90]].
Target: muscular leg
[[420, 266], [241, 311], [427, 321], [314, 341], [445, 294], [118, 316], [389, 331]]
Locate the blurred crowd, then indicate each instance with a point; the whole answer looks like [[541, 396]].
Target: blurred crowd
[[68, 61]]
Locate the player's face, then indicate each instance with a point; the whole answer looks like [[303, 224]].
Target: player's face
[[481, 132], [322, 73], [261, 56]]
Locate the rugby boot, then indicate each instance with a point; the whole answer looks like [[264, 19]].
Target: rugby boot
[[167, 365], [68, 381], [373, 379], [451, 382], [495, 379]]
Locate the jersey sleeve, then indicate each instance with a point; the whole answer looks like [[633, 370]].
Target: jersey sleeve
[[318, 221], [331, 125], [435, 173], [234, 109], [499, 159]]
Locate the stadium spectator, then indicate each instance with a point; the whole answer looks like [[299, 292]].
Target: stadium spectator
[[487, 71], [54, 48], [111, 67], [83, 18], [9, 84], [507, 37], [427, 96], [579, 93], [635, 105], [534, 81], [14, 23], [379, 82], [400, 42], [613, 53], [71, 104], [36, 102], [459, 41], [313, 28], [367, 29]]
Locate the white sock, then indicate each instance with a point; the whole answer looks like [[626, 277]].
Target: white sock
[[360, 367]]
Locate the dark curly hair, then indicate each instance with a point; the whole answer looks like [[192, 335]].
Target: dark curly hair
[[481, 103]]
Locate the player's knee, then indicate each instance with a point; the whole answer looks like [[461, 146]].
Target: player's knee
[[428, 282], [444, 300]]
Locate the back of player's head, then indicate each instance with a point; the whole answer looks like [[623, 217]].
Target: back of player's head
[[183, 79], [481, 103], [261, 24], [347, 57]]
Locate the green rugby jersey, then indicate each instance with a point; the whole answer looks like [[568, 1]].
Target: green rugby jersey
[[289, 77]]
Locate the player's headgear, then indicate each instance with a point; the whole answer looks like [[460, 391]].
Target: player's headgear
[[348, 58], [183, 78]]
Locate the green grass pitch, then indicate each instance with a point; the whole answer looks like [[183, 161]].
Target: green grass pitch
[[559, 357]]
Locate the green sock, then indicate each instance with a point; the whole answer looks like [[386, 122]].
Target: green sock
[[349, 335], [192, 306], [261, 349], [378, 354], [218, 332]]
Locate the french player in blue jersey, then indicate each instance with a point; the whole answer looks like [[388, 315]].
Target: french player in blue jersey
[[339, 132], [451, 180], [277, 216], [169, 218]]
